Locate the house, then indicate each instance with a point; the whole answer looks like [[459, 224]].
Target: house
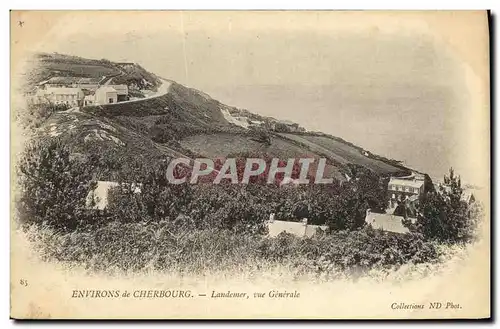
[[106, 95], [402, 188], [300, 229], [121, 92], [386, 222], [64, 95], [468, 197], [256, 123], [36, 96], [98, 198]]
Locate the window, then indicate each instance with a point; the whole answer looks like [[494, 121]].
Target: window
[[111, 100]]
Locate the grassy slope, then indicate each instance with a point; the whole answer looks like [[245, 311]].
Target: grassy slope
[[189, 122], [342, 152]]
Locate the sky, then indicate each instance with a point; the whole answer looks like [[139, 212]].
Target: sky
[[388, 83]]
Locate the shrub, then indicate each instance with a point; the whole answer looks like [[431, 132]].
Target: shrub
[[164, 246], [444, 216], [53, 187]]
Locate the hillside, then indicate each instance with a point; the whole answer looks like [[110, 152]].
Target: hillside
[[186, 122], [46, 66]]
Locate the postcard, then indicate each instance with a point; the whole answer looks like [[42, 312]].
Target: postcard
[[250, 165]]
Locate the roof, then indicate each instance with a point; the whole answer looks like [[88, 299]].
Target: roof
[[278, 226], [88, 92], [467, 197], [386, 222], [106, 89], [300, 229], [311, 229], [406, 182], [63, 90], [120, 89], [89, 81]]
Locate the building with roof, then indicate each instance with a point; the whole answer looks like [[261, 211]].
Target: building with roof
[[300, 229], [36, 96], [98, 198], [106, 95], [467, 193], [402, 188], [468, 197], [386, 222], [121, 92], [68, 96]]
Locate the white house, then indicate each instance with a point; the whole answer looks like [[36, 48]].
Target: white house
[[301, 229], [69, 96], [400, 189], [98, 197], [106, 95], [121, 92], [36, 96], [386, 222]]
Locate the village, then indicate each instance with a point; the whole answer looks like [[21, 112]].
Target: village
[[74, 92], [247, 122], [404, 197]]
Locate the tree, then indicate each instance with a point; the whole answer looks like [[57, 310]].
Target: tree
[[53, 186], [147, 195], [443, 215]]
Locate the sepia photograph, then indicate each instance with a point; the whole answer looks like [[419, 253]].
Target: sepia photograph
[[250, 164]]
